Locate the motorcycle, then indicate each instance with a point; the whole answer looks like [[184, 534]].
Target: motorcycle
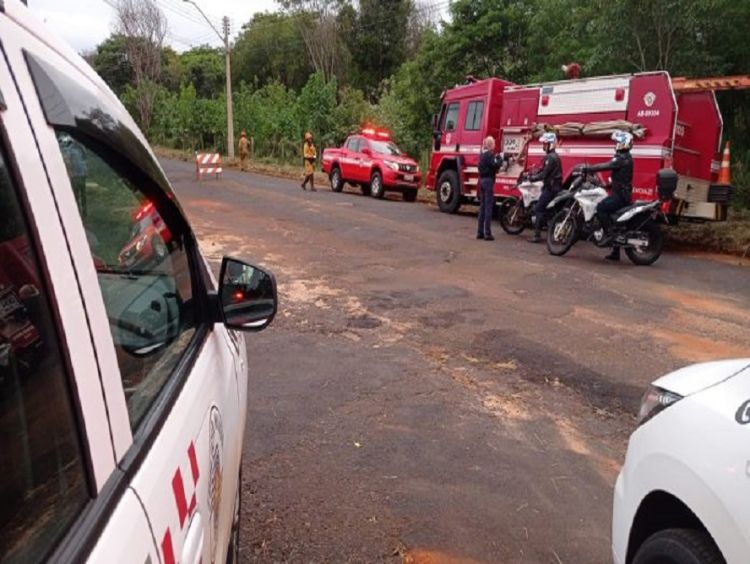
[[516, 214], [635, 227]]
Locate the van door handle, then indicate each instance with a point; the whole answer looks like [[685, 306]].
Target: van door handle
[[192, 549]]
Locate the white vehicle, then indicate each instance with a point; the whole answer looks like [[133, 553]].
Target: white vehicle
[[123, 382], [517, 213], [682, 495]]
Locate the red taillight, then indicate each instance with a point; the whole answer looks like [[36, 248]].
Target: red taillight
[[545, 100], [620, 94]]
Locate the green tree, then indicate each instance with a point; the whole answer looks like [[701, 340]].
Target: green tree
[[378, 41], [315, 109], [111, 62], [270, 48], [204, 68]]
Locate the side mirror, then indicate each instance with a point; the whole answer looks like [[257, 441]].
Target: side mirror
[[247, 296]]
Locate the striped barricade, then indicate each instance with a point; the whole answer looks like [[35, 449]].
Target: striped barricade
[[207, 164]]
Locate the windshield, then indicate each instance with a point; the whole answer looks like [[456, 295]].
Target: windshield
[[385, 148]]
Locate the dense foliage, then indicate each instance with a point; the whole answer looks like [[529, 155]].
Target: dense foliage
[[330, 65]]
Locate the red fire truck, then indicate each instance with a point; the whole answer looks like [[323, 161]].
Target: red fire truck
[[371, 160], [673, 125]]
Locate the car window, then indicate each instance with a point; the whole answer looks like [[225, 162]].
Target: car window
[[353, 144], [451, 117], [43, 485], [474, 113], [143, 270], [386, 148]]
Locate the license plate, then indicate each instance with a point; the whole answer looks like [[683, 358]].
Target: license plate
[[408, 177]]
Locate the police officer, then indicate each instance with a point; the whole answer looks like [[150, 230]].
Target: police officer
[[621, 166], [489, 164], [551, 177]]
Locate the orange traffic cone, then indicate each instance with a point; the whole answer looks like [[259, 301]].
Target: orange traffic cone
[[725, 175]]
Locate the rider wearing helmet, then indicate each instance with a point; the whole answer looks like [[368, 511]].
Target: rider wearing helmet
[[621, 166], [551, 176]]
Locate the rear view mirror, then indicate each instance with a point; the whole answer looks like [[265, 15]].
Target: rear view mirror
[[247, 296]]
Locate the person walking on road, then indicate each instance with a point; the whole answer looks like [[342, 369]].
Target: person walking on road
[[244, 150], [309, 157], [551, 177], [489, 164]]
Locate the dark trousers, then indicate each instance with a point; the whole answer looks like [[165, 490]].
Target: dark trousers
[[608, 206], [486, 206], [540, 209]]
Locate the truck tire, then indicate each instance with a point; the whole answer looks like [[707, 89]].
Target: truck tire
[[678, 546], [410, 195], [377, 190], [448, 193], [337, 183]]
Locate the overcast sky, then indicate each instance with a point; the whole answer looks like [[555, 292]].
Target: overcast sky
[[86, 23]]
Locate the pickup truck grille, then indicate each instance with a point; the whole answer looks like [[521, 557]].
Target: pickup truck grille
[[407, 168]]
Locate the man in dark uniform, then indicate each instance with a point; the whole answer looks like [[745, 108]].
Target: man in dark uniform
[[621, 166], [551, 177], [489, 164]]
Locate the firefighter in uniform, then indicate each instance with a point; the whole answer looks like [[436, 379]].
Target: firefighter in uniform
[[621, 166], [551, 177], [244, 150], [309, 156], [489, 164]]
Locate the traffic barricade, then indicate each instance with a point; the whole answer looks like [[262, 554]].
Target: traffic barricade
[[207, 164]]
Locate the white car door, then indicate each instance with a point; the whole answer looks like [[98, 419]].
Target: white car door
[[58, 473], [176, 404]]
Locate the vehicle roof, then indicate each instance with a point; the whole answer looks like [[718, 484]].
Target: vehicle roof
[[583, 81], [20, 15]]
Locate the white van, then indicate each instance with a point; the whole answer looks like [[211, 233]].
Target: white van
[[123, 375]]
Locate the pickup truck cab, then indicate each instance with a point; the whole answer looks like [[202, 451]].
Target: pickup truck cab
[[372, 161], [123, 367]]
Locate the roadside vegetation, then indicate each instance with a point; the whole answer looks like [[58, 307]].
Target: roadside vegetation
[[328, 66]]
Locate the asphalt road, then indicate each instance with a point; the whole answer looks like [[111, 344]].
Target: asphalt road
[[426, 397]]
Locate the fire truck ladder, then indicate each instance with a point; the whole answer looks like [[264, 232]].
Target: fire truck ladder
[[683, 84]]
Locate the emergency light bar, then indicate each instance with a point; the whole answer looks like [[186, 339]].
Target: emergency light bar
[[373, 132]]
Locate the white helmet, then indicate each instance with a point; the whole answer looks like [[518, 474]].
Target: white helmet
[[623, 139], [550, 139]]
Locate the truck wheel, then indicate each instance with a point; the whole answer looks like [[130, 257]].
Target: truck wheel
[[377, 190], [337, 183], [678, 546], [448, 195], [647, 255], [410, 195]]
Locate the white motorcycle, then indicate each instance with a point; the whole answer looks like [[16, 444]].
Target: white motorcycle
[[635, 228], [516, 214]]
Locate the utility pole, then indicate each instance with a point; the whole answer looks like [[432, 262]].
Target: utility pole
[[227, 52], [230, 104]]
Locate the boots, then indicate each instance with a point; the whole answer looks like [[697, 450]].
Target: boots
[[537, 238]]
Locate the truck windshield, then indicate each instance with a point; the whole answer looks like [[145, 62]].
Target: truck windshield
[[385, 148]]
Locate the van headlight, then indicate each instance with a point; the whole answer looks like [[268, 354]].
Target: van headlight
[[391, 165], [654, 401]]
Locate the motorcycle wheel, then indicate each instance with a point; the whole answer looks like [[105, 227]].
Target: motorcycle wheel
[[562, 233], [645, 256], [512, 217]]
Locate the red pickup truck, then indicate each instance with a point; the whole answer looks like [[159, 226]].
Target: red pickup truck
[[371, 160]]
